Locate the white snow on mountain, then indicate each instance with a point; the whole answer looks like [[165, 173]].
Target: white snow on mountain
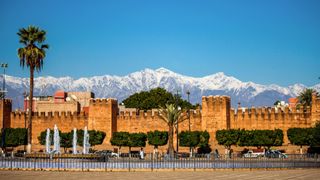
[[247, 93]]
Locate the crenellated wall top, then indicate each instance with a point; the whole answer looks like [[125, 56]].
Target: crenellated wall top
[[270, 110], [151, 114], [38, 115]]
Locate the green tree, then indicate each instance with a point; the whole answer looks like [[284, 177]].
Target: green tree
[[32, 55], [258, 138], [277, 102], [204, 138], [66, 140], [300, 136], [189, 139], [80, 133], [95, 137], [195, 139], [136, 140], [246, 138], [155, 98], [14, 137], [171, 115], [119, 139], [203, 145], [316, 135], [42, 137], [228, 138], [157, 138], [278, 135], [267, 138], [305, 97]]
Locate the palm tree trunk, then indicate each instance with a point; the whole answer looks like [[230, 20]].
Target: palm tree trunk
[[30, 111], [170, 148]]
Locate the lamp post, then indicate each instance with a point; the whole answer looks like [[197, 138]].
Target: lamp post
[[4, 66], [177, 96], [25, 95], [188, 112], [179, 108], [188, 93]]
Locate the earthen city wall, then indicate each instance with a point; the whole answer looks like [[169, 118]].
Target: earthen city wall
[[216, 114]]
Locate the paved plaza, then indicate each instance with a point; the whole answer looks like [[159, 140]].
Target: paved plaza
[[310, 174]]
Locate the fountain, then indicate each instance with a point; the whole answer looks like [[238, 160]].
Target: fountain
[[48, 141], [56, 140], [86, 144], [74, 141]]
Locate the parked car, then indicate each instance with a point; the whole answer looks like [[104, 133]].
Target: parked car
[[251, 154], [180, 155], [135, 153], [20, 153], [132, 154], [275, 154], [107, 153]]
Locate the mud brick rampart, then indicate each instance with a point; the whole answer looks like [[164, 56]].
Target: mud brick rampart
[[216, 114]]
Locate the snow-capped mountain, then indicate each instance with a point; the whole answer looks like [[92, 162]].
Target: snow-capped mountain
[[248, 93]]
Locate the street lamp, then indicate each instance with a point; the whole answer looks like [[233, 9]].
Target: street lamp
[[4, 66], [25, 95], [188, 93], [188, 112], [179, 108]]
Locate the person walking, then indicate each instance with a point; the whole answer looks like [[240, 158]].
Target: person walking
[[141, 153]]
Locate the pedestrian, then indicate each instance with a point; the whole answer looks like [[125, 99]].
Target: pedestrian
[[230, 153], [141, 153], [216, 153]]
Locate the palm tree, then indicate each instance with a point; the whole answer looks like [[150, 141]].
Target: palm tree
[[32, 55], [171, 115], [305, 97]]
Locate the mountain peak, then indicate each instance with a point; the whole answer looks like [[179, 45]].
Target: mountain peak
[[163, 70], [220, 74]]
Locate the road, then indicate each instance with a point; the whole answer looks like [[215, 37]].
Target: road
[[310, 174]]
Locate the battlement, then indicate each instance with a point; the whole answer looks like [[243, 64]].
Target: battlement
[[152, 114], [98, 101], [315, 109], [40, 115], [270, 118], [269, 111], [7, 101], [215, 99]]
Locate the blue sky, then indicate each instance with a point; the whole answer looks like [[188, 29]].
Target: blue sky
[[262, 41]]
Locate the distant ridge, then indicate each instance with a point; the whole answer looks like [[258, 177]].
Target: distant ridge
[[120, 87]]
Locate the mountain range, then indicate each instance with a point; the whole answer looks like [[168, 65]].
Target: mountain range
[[121, 87]]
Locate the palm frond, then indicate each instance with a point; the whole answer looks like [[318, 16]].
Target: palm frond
[[163, 116], [305, 97], [182, 118], [171, 115], [44, 46], [31, 55]]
